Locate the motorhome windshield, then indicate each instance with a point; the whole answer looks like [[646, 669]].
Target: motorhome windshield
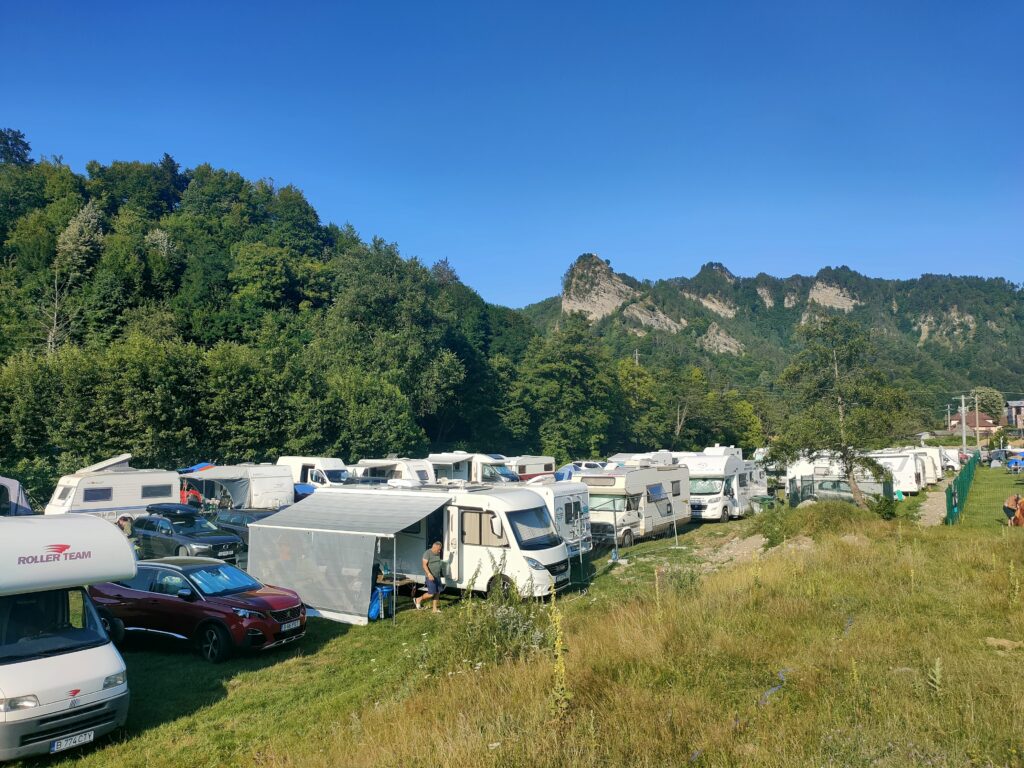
[[491, 473], [43, 624], [218, 580], [532, 528], [193, 525], [705, 486], [601, 503], [336, 475]]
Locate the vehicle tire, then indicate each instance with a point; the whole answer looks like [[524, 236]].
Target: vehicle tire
[[214, 643], [182, 552], [499, 586], [627, 539], [113, 627], [725, 515]]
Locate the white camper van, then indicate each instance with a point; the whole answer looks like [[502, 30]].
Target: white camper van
[[471, 468], [906, 469], [320, 471], [407, 472], [112, 488], [529, 467], [931, 464], [62, 682], [650, 458], [244, 486], [568, 503], [634, 503], [719, 488]]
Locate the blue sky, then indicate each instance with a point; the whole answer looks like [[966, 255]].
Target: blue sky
[[510, 137]]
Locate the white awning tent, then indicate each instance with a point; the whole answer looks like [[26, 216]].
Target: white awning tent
[[250, 486], [13, 500], [323, 547]]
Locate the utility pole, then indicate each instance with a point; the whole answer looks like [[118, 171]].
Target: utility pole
[[636, 357], [949, 418], [963, 423], [977, 422]]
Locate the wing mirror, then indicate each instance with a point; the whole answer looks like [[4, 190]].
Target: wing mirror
[[496, 526], [187, 594]]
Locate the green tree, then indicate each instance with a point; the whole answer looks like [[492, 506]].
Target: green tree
[[78, 247], [840, 403], [990, 401], [14, 148]]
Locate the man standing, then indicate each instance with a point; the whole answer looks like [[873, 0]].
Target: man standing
[[432, 568], [1010, 505]]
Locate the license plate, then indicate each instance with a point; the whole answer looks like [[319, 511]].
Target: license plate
[[72, 741], [562, 576], [227, 552], [290, 625]]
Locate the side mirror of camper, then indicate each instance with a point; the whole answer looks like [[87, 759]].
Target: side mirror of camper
[[496, 526], [187, 594]]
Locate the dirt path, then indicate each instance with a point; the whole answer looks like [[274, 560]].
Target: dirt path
[[933, 511]]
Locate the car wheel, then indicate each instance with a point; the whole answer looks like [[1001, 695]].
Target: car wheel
[[627, 538], [214, 643], [182, 552], [499, 586], [113, 627]]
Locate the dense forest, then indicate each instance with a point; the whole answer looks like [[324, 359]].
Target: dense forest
[[186, 314]]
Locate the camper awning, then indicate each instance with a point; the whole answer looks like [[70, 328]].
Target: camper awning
[[324, 546]]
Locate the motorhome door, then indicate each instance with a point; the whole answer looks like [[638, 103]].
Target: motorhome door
[[453, 553]]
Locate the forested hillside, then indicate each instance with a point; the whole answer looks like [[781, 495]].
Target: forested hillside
[[186, 314]]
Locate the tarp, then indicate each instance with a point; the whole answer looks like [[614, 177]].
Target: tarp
[[13, 500], [250, 486], [323, 546]]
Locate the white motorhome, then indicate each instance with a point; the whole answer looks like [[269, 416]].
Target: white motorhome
[[62, 681], [492, 536], [719, 483], [318, 471], [112, 488], [471, 468], [529, 467], [244, 486], [821, 477], [633, 503], [650, 458], [756, 479], [931, 463], [907, 470], [568, 503], [409, 472]]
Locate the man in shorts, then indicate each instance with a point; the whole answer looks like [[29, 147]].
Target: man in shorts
[[433, 566]]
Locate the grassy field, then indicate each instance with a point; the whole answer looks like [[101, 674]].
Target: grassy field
[[854, 642]]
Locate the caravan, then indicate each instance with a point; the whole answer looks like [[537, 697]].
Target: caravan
[[471, 468], [244, 486], [719, 483], [568, 503], [529, 467], [112, 488], [907, 470], [405, 472], [634, 503], [650, 458], [62, 682]]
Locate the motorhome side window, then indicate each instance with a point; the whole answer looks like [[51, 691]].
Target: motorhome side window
[[156, 491], [97, 494], [675, 488], [632, 503], [476, 530], [569, 517], [64, 491], [549, 467], [743, 481]]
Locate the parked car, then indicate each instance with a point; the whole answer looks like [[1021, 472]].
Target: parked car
[[237, 521], [215, 605], [175, 529]]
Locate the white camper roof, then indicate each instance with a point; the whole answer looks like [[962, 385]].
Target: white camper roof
[[325, 462], [709, 465], [456, 457], [39, 553]]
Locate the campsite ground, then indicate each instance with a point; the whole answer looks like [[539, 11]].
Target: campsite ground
[[853, 641]]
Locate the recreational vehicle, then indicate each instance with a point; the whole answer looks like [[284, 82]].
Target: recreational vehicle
[[651, 458], [408, 472], [719, 485], [317, 471], [568, 503], [529, 467], [906, 469], [62, 681], [112, 488], [633, 503], [471, 468], [244, 486]]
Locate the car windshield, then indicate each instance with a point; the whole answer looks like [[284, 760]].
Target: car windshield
[[336, 475], [192, 525], [532, 528], [705, 486], [491, 473], [217, 580], [43, 624]]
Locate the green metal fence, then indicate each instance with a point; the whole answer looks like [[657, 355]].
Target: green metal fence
[[956, 491]]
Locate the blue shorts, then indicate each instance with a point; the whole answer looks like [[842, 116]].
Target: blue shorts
[[433, 587]]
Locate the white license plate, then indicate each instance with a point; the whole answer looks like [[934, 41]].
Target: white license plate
[[72, 741], [290, 625], [562, 576], [227, 553]]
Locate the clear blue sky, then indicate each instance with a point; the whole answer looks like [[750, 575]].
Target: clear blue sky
[[509, 138]]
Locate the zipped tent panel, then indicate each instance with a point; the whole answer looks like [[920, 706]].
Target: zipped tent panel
[[323, 546]]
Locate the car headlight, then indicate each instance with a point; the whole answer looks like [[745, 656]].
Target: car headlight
[[18, 702], [202, 547], [245, 613], [112, 681], [535, 564]]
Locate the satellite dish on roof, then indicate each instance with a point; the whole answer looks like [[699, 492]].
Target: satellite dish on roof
[[117, 462]]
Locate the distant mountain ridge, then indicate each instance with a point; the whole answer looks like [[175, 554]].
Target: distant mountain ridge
[[963, 329]]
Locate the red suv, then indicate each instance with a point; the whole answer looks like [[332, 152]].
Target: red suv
[[216, 605]]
